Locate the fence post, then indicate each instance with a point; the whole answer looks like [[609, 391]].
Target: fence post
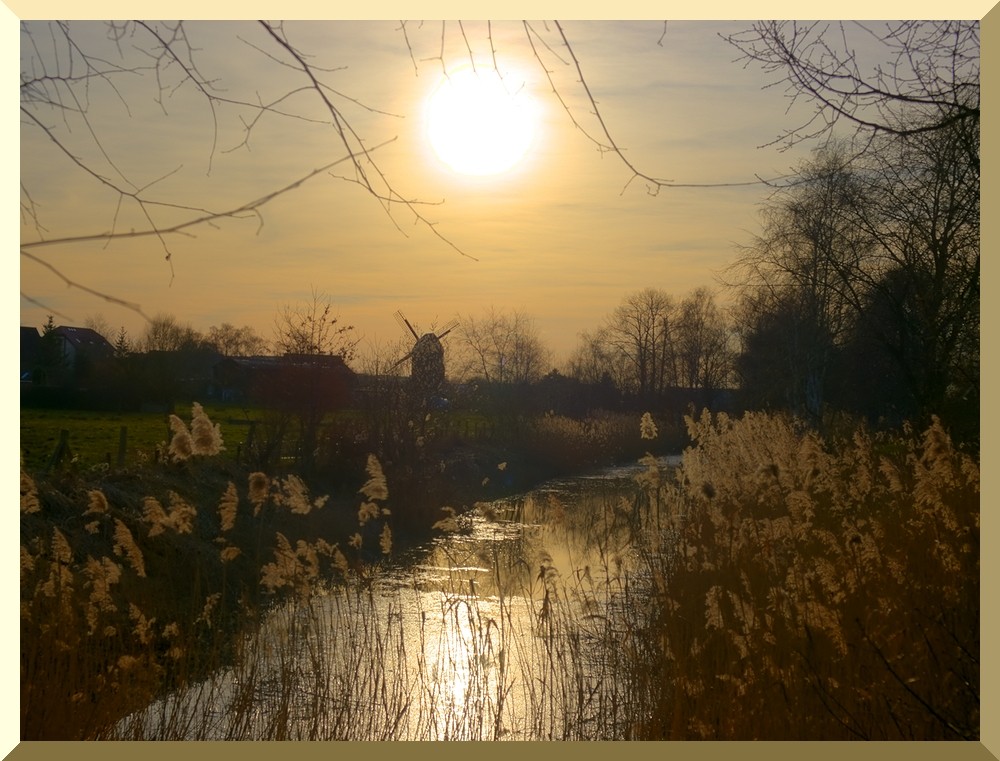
[[61, 449], [250, 440], [122, 442]]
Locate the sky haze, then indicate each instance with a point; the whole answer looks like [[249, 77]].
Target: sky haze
[[563, 235]]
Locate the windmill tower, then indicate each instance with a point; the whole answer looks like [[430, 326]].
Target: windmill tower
[[426, 358]]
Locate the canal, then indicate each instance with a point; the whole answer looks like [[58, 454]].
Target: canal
[[515, 623]]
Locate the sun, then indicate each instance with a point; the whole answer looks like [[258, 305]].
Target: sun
[[479, 123]]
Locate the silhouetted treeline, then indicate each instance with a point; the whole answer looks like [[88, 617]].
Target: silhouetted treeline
[[860, 295], [862, 291]]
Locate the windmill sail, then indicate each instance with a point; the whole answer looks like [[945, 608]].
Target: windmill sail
[[403, 322], [447, 329]]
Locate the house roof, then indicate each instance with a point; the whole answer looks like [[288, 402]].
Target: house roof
[[84, 338], [288, 360]]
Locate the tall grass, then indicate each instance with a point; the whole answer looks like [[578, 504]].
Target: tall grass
[[775, 586], [125, 596], [817, 590]]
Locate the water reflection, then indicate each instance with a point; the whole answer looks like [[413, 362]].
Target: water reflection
[[510, 628]]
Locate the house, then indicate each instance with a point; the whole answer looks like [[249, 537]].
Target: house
[[270, 380], [31, 346], [160, 378], [84, 353], [83, 344], [66, 356]]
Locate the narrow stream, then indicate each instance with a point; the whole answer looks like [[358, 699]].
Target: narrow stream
[[507, 628]]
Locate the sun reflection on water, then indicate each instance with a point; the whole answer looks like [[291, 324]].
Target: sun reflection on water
[[504, 630]]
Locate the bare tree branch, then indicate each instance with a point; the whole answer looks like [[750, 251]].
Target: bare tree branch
[[356, 150], [606, 142], [250, 208], [930, 83], [58, 78], [73, 284]]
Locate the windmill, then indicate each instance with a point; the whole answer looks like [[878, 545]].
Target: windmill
[[426, 358]]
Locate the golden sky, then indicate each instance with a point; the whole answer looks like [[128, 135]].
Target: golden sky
[[564, 235]]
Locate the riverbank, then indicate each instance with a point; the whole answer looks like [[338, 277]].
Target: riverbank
[[786, 587], [137, 580]]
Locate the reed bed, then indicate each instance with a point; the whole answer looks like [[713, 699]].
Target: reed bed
[[774, 586], [818, 590]]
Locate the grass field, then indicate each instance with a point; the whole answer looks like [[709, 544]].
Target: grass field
[[94, 435]]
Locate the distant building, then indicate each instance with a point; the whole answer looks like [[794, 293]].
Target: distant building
[[83, 343], [282, 379], [31, 345], [67, 356]]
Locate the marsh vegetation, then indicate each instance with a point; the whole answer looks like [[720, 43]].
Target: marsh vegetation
[[771, 584]]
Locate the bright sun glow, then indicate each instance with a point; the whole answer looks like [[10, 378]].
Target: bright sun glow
[[480, 124]]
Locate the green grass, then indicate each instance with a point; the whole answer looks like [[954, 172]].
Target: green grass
[[94, 435]]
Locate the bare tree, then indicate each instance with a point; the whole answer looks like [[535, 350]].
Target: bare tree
[[313, 379], [922, 214], [164, 333], [704, 343], [927, 80], [591, 360], [640, 336], [313, 328], [501, 347], [231, 341], [651, 343], [906, 268], [883, 249], [100, 325], [802, 267]]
